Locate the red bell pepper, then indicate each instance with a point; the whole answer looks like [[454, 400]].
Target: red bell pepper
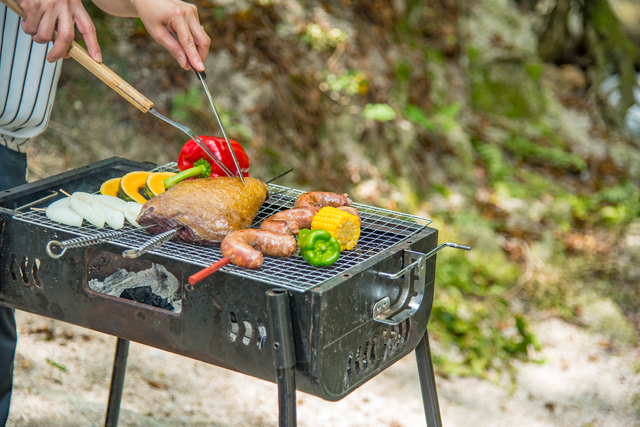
[[195, 163]]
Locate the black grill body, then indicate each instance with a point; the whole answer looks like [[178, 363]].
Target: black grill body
[[340, 341]]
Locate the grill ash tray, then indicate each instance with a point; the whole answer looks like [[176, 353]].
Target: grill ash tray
[[380, 230]]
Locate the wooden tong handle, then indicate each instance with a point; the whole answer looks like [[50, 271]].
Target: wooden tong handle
[[99, 70]]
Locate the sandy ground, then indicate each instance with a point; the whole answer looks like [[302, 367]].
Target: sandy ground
[[63, 373]]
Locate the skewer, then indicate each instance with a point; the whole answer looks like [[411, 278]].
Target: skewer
[[39, 209], [89, 200], [279, 176], [208, 271], [44, 199]]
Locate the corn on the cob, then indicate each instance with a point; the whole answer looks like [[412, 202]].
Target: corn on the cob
[[344, 227]]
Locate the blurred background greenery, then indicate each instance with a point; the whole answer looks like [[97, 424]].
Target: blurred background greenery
[[485, 115]]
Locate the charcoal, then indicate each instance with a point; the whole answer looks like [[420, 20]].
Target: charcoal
[[144, 295], [163, 284]]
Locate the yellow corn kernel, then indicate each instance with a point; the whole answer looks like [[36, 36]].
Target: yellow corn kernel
[[344, 227]]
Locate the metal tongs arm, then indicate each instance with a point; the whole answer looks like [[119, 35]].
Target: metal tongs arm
[[201, 76]]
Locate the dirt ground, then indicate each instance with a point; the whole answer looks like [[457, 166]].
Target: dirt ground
[[63, 372]]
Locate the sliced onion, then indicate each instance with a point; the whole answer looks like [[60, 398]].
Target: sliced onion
[[110, 209], [82, 203], [131, 212], [60, 211]]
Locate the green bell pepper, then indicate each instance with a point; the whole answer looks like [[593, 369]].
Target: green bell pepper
[[318, 247]]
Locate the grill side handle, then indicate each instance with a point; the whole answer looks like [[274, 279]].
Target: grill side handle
[[412, 292]]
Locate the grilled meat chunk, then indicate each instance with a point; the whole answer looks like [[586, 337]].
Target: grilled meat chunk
[[290, 221], [206, 210], [246, 247], [322, 199]]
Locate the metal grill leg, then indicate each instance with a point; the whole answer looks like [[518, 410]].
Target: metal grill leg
[[117, 382], [428, 383], [284, 355]]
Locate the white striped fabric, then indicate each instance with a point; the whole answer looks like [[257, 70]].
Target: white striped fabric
[[27, 83]]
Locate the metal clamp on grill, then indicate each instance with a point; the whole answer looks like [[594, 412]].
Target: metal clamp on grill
[[413, 292]]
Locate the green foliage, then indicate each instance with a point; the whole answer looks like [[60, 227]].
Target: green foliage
[[487, 335], [469, 311], [56, 365], [535, 71], [186, 102], [351, 83], [611, 206], [417, 116], [493, 160], [320, 38], [506, 89], [524, 149], [219, 13], [442, 121], [380, 112]]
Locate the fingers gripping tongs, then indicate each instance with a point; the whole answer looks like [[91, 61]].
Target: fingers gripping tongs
[[138, 100]]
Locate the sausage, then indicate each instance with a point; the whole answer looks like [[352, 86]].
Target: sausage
[[322, 199], [290, 221], [351, 210], [245, 247]]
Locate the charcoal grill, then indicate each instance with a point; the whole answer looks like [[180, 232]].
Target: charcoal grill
[[324, 331]]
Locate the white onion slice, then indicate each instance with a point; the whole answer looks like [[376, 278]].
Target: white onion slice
[[131, 212], [110, 209], [82, 203], [60, 211]]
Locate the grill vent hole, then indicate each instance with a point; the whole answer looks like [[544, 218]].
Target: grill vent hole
[[365, 362], [248, 332], [12, 268], [357, 364], [23, 271], [262, 335], [233, 333], [349, 373], [36, 276], [393, 340], [374, 344], [385, 340]]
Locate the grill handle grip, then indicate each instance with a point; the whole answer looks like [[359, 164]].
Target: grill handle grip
[[412, 292], [422, 259], [99, 70]]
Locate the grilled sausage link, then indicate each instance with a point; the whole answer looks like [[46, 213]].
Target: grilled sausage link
[[351, 210], [245, 247], [322, 199], [290, 221]]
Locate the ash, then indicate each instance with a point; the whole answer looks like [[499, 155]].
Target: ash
[[156, 283]]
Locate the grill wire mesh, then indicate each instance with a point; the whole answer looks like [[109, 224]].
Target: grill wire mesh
[[381, 229]]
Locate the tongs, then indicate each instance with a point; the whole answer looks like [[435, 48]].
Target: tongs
[[115, 82], [201, 76]]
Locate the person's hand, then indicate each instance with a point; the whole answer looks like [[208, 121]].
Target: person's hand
[[164, 18], [45, 16]]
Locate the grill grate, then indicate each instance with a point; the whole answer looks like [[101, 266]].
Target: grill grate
[[380, 230]]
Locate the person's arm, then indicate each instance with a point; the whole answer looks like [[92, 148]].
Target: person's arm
[[163, 19]]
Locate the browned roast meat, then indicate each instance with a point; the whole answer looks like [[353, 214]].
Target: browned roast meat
[[206, 210]]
